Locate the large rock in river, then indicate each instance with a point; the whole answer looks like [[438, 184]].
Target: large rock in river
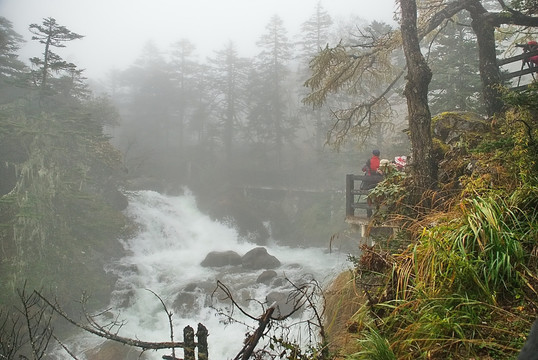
[[284, 304], [266, 277], [259, 258], [221, 258]]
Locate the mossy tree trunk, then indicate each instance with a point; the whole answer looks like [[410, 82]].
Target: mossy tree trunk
[[416, 91], [490, 75]]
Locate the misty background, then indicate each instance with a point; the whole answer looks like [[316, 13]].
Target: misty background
[[208, 96], [116, 31]]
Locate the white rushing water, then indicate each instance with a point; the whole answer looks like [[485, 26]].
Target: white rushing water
[[165, 257]]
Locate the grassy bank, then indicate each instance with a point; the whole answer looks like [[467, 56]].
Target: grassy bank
[[464, 284]]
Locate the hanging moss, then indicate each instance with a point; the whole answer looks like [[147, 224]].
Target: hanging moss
[[58, 222]]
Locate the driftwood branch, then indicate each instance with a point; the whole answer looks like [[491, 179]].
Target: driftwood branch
[[252, 340], [300, 296], [106, 332]]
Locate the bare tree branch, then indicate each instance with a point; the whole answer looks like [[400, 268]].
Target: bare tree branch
[[301, 295], [252, 340], [169, 314], [65, 347], [38, 324], [105, 333]]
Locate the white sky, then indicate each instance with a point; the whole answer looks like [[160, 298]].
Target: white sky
[[116, 30]]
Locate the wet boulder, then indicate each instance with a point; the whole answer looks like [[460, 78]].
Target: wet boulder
[[284, 304], [258, 258], [193, 297], [184, 301], [221, 258], [266, 277]]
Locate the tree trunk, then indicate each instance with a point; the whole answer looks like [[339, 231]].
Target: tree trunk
[[416, 91], [490, 75]]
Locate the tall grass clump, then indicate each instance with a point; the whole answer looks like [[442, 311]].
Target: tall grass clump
[[453, 326], [479, 253], [374, 347], [456, 287]]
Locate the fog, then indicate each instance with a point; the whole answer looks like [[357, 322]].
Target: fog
[[164, 67], [115, 31], [160, 72]]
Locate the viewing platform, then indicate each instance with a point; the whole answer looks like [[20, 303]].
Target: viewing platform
[[356, 199], [358, 210]]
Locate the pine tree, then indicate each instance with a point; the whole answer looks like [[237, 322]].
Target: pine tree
[[315, 35], [10, 41], [184, 72], [51, 35], [229, 75], [454, 62], [147, 119], [12, 71], [267, 119]]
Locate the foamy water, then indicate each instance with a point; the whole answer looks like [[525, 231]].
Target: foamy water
[[165, 258]]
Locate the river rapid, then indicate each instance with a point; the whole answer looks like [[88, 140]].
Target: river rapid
[[164, 259]]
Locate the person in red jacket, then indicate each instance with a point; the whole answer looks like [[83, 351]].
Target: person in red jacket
[[372, 164], [533, 60], [371, 170], [373, 177]]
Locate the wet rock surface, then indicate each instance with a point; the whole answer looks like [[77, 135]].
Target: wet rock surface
[[259, 258], [221, 258]]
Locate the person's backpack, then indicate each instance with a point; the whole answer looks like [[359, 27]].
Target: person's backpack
[[366, 168]]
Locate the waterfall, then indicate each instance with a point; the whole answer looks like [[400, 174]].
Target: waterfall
[[164, 258]]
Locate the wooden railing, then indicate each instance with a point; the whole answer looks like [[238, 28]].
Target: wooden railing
[[355, 197], [524, 58], [189, 345]]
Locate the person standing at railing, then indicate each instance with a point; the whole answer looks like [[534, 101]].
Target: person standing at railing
[[372, 164], [530, 61], [371, 169], [533, 60]]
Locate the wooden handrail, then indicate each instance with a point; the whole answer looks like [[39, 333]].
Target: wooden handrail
[[501, 62], [351, 192], [531, 69], [520, 72]]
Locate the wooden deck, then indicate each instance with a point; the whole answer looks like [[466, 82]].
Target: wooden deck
[[357, 220], [355, 201], [355, 196]]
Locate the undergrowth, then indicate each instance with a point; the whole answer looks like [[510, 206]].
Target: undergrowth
[[465, 286]]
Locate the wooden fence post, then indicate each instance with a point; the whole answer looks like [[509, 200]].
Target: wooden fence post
[[201, 334], [188, 339], [350, 197]]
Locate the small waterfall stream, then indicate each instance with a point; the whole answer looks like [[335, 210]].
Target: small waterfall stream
[[164, 257]]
